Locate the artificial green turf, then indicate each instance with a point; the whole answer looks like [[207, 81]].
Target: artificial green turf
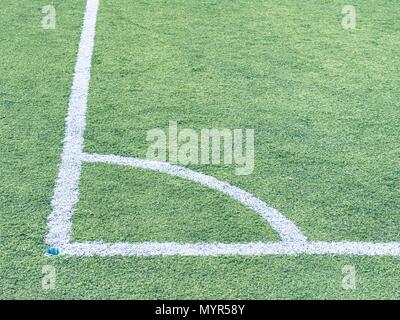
[[323, 102], [124, 204]]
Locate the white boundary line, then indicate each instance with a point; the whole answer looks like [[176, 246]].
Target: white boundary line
[[66, 193], [225, 249]]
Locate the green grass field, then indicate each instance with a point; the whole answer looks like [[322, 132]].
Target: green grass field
[[324, 104]]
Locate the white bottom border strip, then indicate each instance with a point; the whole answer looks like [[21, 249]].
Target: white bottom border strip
[[224, 249]]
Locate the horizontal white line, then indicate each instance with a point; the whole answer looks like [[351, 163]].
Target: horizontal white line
[[224, 249]]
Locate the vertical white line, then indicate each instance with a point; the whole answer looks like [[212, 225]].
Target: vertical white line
[[66, 191]]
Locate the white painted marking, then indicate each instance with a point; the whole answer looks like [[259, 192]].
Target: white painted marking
[[225, 249], [286, 229], [66, 193]]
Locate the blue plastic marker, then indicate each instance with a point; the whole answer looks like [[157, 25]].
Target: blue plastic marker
[[53, 251]]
